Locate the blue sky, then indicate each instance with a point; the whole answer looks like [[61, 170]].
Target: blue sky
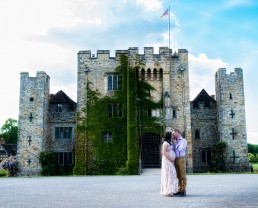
[[46, 35]]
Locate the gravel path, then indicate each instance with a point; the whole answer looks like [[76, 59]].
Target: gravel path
[[225, 190]]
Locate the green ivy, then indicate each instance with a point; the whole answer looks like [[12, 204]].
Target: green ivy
[[132, 163], [121, 155], [80, 162]]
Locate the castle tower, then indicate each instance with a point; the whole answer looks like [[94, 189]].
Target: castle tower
[[167, 72], [231, 117], [34, 97]]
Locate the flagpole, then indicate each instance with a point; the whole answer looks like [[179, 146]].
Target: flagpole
[[169, 27]]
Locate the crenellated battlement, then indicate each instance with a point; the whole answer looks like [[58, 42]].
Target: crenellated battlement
[[39, 75], [148, 52], [222, 72], [231, 115], [33, 106]]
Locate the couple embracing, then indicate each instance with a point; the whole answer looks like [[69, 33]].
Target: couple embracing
[[173, 168]]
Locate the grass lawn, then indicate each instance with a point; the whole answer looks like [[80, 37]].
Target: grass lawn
[[255, 167]]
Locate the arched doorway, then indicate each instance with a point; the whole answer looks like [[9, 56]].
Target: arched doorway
[[150, 150]]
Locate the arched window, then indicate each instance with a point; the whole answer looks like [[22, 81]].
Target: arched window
[[197, 134], [148, 74], [208, 155], [143, 74], [137, 74], [155, 74], [204, 156], [161, 74]]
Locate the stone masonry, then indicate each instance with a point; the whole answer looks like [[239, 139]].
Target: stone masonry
[[204, 129], [231, 115], [167, 72], [203, 121], [40, 116], [34, 94]]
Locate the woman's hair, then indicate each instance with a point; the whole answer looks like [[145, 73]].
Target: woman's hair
[[167, 137]]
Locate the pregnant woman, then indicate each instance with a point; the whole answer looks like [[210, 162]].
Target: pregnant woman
[[169, 181]]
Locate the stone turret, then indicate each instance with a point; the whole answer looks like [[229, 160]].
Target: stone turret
[[231, 116], [34, 97]]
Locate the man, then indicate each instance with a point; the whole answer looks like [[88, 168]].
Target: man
[[180, 145]]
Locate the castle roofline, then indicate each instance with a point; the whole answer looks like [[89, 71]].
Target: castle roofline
[[10, 149], [61, 97], [147, 51], [203, 96]]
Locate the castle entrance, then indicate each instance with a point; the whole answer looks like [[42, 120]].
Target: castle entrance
[[150, 151]]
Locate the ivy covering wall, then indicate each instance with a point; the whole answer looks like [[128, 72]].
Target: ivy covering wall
[[93, 155]]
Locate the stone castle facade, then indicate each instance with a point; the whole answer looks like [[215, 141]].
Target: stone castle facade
[[47, 122]]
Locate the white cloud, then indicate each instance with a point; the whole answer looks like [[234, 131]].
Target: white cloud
[[252, 137], [202, 72], [237, 3], [46, 36], [151, 4]]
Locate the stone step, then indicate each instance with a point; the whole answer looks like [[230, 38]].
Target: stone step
[[151, 171]]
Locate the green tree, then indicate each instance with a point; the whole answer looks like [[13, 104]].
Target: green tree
[[9, 131], [251, 156], [253, 148]]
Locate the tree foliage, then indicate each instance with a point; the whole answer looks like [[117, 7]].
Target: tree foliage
[[251, 157], [253, 148], [9, 131]]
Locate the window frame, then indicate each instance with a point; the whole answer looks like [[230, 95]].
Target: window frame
[[107, 137], [65, 158], [114, 82], [115, 110], [63, 133]]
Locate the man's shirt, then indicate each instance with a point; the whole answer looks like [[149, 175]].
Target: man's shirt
[[180, 147]]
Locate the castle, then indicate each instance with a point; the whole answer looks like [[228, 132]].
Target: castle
[[47, 122]]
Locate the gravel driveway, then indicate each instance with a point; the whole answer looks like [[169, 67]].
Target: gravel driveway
[[219, 190]]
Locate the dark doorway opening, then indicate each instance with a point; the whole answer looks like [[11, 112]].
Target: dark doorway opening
[[150, 151]]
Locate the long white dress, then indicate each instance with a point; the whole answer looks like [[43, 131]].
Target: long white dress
[[169, 181]]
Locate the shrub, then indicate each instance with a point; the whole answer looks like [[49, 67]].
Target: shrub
[[3, 173], [218, 159], [49, 163], [10, 165], [122, 171], [102, 167], [251, 156]]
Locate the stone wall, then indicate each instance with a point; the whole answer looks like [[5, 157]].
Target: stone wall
[[168, 73], [32, 124], [231, 115], [65, 118], [204, 120]]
